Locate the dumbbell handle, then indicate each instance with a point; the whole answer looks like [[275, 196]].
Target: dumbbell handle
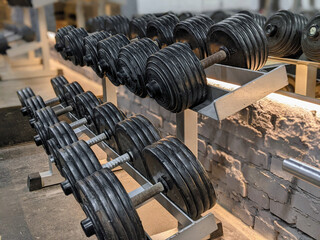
[[98, 138], [147, 194], [214, 58], [62, 111], [51, 101], [58, 112], [117, 161], [78, 123]]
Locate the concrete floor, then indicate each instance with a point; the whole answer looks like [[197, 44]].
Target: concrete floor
[[48, 213]]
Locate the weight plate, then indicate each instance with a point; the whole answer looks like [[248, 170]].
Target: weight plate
[[161, 29], [59, 46], [57, 84], [71, 90], [105, 118], [160, 168], [117, 24], [310, 39], [185, 15], [74, 46], [24, 94], [123, 197], [115, 209], [138, 26], [94, 211], [108, 50], [132, 139], [131, 65], [33, 104], [180, 163], [194, 32], [85, 103]]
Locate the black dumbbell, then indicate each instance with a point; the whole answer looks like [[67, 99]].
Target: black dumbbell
[[61, 134], [185, 15], [283, 30], [310, 39], [96, 24], [219, 15], [176, 173], [194, 31], [258, 18], [46, 117], [175, 77], [65, 95], [57, 83], [161, 29], [138, 26], [132, 136], [60, 44]]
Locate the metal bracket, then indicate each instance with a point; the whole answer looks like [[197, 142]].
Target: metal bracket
[[251, 87]]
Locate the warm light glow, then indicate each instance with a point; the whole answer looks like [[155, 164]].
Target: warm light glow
[[293, 102]]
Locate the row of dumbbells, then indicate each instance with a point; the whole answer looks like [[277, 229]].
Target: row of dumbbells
[[14, 32], [166, 162], [20, 3], [171, 73]]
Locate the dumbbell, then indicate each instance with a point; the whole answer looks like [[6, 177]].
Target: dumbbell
[[96, 24], [21, 3], [56, 83], [61, 134], [258, 18], [185, 15], [70, 91], [22, 32], [60, 45], [65, 96], [132, 136], [283, 30], [175, 77], [161, 29], [175, 172], [310, 39], [194, 31], [138, 26], [219, 15], [84, 102]]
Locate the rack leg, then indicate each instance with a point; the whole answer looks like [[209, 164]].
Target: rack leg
[[40, 180], [111, 92], [306, 80], [187, 129]]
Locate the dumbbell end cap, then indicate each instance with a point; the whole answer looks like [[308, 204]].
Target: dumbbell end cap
[[24, 111], [37, 140], [87, 227], [32, 121], [66, 187]]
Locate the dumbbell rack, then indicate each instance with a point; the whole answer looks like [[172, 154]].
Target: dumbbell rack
[[306, 74], [7, 72], [188, 228]]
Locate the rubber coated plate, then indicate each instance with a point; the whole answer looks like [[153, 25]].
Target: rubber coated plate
[[24, 94], [57, 85]]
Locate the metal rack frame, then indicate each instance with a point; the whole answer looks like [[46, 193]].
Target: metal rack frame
[[188, 228]]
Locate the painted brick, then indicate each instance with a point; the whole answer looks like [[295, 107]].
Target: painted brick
[[276, 168], [263, 224], [257, 158], [283, 211], [308, 205], [285, 232], [154, 106], [245, 212], [169, 127], [259, 197], [308, 225], [309, 188], [202, 146], [263, 180]]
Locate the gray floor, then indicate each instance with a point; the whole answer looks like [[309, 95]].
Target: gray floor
[[44, 214]]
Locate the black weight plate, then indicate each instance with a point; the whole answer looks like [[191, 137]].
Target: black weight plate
[[124, 224], [108, 50], [71, 175], [57, 85], [310, 39], [107, 207], [33, 104], [131, 64], [138, 26], [70, 92], [160, 167], [4, 46], [60, 37], [187, 176], [258, 38], [243, 40], [24, 94], [122, 195], [199, 169], [93, 209], [85, 103], [105, 118], [131, 138], [91, 50]]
